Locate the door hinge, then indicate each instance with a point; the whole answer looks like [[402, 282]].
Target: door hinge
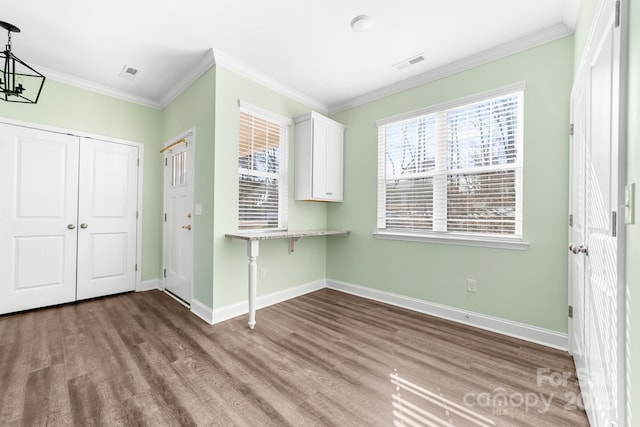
[[137, 214], [136, 267], [165, 217], [138, 162], [165, 162], [617, 24], [614, 224], [571, 220], [164, 273], [571, 129], [571, 311]]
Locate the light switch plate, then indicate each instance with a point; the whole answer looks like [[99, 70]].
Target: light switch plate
[[629, 203]]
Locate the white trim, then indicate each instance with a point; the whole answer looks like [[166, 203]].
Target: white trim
[[196, 71], [202, 311], [139, 215], [450, 239], [97, 88], [533, 40], [236, 66], [454, 103], [266, 114], [230, 311], [530, 333], [149, 285]]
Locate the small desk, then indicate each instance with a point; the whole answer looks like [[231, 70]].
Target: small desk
[[253, 250]]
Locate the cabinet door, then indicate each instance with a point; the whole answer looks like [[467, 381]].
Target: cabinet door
[[38, 218], [107, 218], [327, 162]]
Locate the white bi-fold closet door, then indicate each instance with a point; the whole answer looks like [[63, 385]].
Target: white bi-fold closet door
[[68, 211]]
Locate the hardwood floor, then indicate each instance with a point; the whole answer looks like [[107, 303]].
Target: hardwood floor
[[326, 358]]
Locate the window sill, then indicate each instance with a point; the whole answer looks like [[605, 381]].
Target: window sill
[[483, 242]]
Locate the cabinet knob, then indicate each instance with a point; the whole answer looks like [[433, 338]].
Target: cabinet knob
[[71, 226]]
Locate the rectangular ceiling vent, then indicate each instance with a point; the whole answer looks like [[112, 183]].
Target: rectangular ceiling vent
[[409, 62], [128, 72]]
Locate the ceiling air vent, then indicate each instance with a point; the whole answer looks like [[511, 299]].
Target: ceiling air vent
[[409, 62], [128, 72]]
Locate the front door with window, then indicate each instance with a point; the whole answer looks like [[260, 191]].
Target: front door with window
[[178, 219]]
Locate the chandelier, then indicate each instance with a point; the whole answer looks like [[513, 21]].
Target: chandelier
[[18, 81]]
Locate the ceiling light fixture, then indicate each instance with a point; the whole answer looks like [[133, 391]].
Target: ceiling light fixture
[[361, 23], [18, 81]]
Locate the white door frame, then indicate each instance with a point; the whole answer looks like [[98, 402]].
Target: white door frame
[[82, 134], [189, 136], [619, 126]]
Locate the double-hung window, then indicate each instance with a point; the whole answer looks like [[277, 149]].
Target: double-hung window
[[455, 170], [262, 170]]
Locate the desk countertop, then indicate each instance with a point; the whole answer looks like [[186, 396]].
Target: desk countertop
[[270, 235]]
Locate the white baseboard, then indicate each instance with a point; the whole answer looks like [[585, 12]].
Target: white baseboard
[[149, 285], [506, 327], [202, 311], [230, 311]]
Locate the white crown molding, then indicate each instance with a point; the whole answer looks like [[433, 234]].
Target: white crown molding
[[533, 40], [197, 70], [97, 88], [522, 331], [236, 66]]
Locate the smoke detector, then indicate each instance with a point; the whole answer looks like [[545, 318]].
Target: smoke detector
[[128, 72]]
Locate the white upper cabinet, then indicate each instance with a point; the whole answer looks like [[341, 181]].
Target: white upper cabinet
[[318, 158]]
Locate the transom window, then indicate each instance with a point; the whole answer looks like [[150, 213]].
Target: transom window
[[262, 170], [454, 168]]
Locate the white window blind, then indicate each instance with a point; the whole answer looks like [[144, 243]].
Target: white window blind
[[454, 170], [262, 172]]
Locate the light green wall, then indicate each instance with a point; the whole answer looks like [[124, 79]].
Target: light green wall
[[632, 274], [76, 109], [195, 108], [307, 263], [524, 286]]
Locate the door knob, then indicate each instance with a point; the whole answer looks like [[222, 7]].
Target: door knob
[[576, 249], [187, 227], [71, 226], [83, 225]]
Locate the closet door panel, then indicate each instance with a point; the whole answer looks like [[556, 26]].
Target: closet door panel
[[108, 194], [38, 216]]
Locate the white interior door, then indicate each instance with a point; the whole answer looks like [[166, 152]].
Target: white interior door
[[178, 219], [597, 291], [38, 214], [577, 208], [107, 224]]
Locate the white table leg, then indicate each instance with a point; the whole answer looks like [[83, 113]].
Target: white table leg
[[252, 253]]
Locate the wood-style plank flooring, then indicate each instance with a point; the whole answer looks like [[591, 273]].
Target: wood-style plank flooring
[[326, 358]]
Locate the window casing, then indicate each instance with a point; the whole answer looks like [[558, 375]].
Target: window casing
[[262, 170], [454, 170]]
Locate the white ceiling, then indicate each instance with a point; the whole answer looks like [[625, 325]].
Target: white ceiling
[[306, 48]]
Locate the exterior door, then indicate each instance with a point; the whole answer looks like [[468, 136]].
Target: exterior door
[[597, 266], [107, 223], [178, 219], [38, 214]]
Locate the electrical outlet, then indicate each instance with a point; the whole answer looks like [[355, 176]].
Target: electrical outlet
[[472, 285], [263, 273]]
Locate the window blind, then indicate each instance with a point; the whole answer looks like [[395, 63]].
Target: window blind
[[262, 166], [456, 170]]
